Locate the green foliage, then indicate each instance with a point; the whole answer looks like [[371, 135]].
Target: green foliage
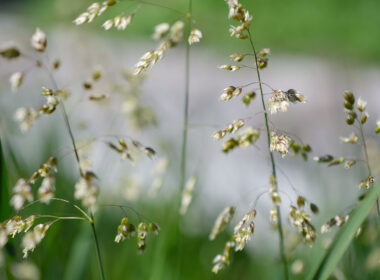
[[345, 236]]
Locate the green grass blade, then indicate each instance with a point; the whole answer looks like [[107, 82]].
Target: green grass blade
[[5, 209], [345, 236]]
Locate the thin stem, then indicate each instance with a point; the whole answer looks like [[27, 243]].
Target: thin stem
[[156, 5], [365, 148], [68, 126], [186, 105], [280, 231], [97, 248], [367, 159], [61, 218]]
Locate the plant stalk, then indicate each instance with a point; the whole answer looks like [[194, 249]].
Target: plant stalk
[[367, 159], [68, 127], [280, 230]]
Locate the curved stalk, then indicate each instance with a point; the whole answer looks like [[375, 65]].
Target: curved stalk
[[68, 127], [280, 231]]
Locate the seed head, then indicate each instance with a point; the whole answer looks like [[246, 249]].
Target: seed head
[[195, 36], [38, 40], [16, 80], [223, 219]]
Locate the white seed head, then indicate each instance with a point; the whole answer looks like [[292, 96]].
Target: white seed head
[[16, 80], [187, 194], [21, 192], [195, 36], [223, 219], [279, 143], [38, 40], [160, 30]]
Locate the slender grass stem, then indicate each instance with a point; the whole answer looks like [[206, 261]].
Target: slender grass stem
[[185, 128], [97, 248], [68, 127], [280, 231], [367, 159]]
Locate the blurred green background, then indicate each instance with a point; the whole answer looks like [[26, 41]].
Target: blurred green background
[[334, 29]]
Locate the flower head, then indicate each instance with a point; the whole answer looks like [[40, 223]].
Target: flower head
[[279, 143], [38, 40], [21, 192], [195, 36], [16, 80], [87, 191], [33, 238], [223, 219]]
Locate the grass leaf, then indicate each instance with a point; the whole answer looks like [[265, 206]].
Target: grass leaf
[[345, 235], [5, 209]]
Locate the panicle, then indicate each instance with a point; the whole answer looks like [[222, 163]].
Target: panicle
[[93, 11], [223, 219], [87, 191], [124, 230], [352, 139], [195, 36], [241, 15], [302, 221], [248, 137], [221, 261], [47, 189], [16, 80], [160, 30], [26, 117], [173, 37], [38, 40], [142, 232], [119, 22], [33, 238], [297, 148], [187, 194], [22, 192], [366, 183], [230, 128], [279, 143]]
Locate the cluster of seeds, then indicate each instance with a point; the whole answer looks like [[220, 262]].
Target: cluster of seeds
[[347, 163], [230, 128], [126, 152], [119, 22], [297, 148], [16, 225], [302, 221], [127, 229], [187, 194], [279, 143], [28, 116], [281, 100], [338, 221], [241, 15], [171, 36], [23, 192], [359, 115], [87, 191], [246, 138], [93, 11], [243, 232], [223, 219]]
